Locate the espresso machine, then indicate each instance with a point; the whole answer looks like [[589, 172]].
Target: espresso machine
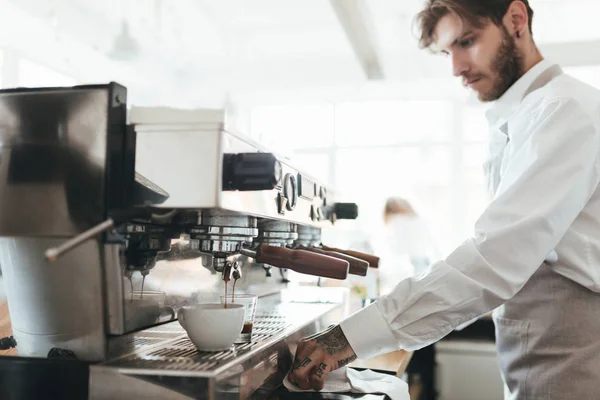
[[112, 219]]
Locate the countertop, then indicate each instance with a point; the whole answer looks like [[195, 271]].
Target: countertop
[[5, 329], [395, 361]]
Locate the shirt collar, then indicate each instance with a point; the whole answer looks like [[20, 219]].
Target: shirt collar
[[510, 100]]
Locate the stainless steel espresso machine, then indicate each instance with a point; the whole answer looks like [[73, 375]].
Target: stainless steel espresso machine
[[110, 221]]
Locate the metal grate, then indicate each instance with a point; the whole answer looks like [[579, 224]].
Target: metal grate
[[179, 353], [143, 339]]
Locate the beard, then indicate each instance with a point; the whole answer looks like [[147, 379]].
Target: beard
[[507, 68]]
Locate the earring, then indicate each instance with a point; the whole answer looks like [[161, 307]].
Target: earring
[[518, 35]]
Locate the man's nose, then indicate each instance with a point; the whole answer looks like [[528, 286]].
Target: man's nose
[[459, 65]]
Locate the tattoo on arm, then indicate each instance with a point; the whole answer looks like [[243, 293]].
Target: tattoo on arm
[[334, 341], [346, 361], [321, 370], [300, 364]]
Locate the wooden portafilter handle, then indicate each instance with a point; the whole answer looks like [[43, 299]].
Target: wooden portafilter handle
[[372, 260], [302, 261], [357, 266]]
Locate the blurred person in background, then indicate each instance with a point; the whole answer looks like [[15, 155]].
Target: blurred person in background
[[408, 249], [406, 246], [401, 239]]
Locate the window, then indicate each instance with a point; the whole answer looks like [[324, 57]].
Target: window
[[391, 171], [315, 164], [475, 194], [430, 152], [285, 128], [1, 68], [474, 123], [474, 156], [391, 122], [474, 153]]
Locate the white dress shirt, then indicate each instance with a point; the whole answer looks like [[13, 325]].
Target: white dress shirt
[[546, 206]]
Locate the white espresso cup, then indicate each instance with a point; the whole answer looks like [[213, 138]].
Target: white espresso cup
[[212, 327]]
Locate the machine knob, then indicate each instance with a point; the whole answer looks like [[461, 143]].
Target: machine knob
[[251, 171], [345, 210]]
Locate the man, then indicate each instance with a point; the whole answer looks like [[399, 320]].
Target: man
[[535, 253]]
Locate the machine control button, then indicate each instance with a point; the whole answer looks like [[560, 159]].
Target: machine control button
[[322, 192], [345, 210], [251, 171], [306, 187], [290, 191], [282, 203]]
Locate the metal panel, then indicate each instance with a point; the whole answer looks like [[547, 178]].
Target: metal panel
[[186, 160], [113, 289], [53, 158], [54, 305]]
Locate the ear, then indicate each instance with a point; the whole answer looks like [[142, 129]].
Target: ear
[[516, 20]]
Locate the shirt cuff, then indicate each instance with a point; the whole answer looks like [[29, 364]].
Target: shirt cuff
[[368, 333]]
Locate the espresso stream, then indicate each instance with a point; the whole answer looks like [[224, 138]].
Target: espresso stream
[[142, 291], [247, 328], [232, 292]]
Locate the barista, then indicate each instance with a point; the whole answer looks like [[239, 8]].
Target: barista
[[535, 252]]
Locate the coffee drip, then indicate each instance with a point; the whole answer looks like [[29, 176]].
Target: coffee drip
[[247, 328], [232, 291]]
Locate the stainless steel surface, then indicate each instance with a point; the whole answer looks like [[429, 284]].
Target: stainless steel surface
[[112, 260], [248, 253], [223, 232], [276, 232], [309, 236], [53, 148], [224, 218], [193, 156], [169, 348], [56, 304], [164, 356], [107, 384]]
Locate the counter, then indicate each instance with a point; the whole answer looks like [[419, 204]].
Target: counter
[[5, 329], [283, 394]]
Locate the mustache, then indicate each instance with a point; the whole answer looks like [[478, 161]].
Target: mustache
[[470, 77]]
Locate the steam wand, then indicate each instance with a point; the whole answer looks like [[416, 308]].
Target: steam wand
[[53, 253]]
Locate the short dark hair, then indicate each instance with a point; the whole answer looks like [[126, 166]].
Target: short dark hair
[[475, 12]]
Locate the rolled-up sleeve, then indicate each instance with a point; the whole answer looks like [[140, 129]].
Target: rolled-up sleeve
[[551, 173]]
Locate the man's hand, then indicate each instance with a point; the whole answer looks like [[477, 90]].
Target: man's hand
[[319, 354]]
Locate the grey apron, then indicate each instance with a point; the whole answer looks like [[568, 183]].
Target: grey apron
[[548, 335]]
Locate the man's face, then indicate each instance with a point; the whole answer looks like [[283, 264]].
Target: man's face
[[487, 59]]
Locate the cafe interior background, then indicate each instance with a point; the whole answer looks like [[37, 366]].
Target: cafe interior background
[[339, 87]]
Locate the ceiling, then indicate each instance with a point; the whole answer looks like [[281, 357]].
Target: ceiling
[[201, 49]]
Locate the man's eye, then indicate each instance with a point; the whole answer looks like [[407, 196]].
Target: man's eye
[[466, 42]]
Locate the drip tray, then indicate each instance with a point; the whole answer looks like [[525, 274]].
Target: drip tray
[[168, 348]]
